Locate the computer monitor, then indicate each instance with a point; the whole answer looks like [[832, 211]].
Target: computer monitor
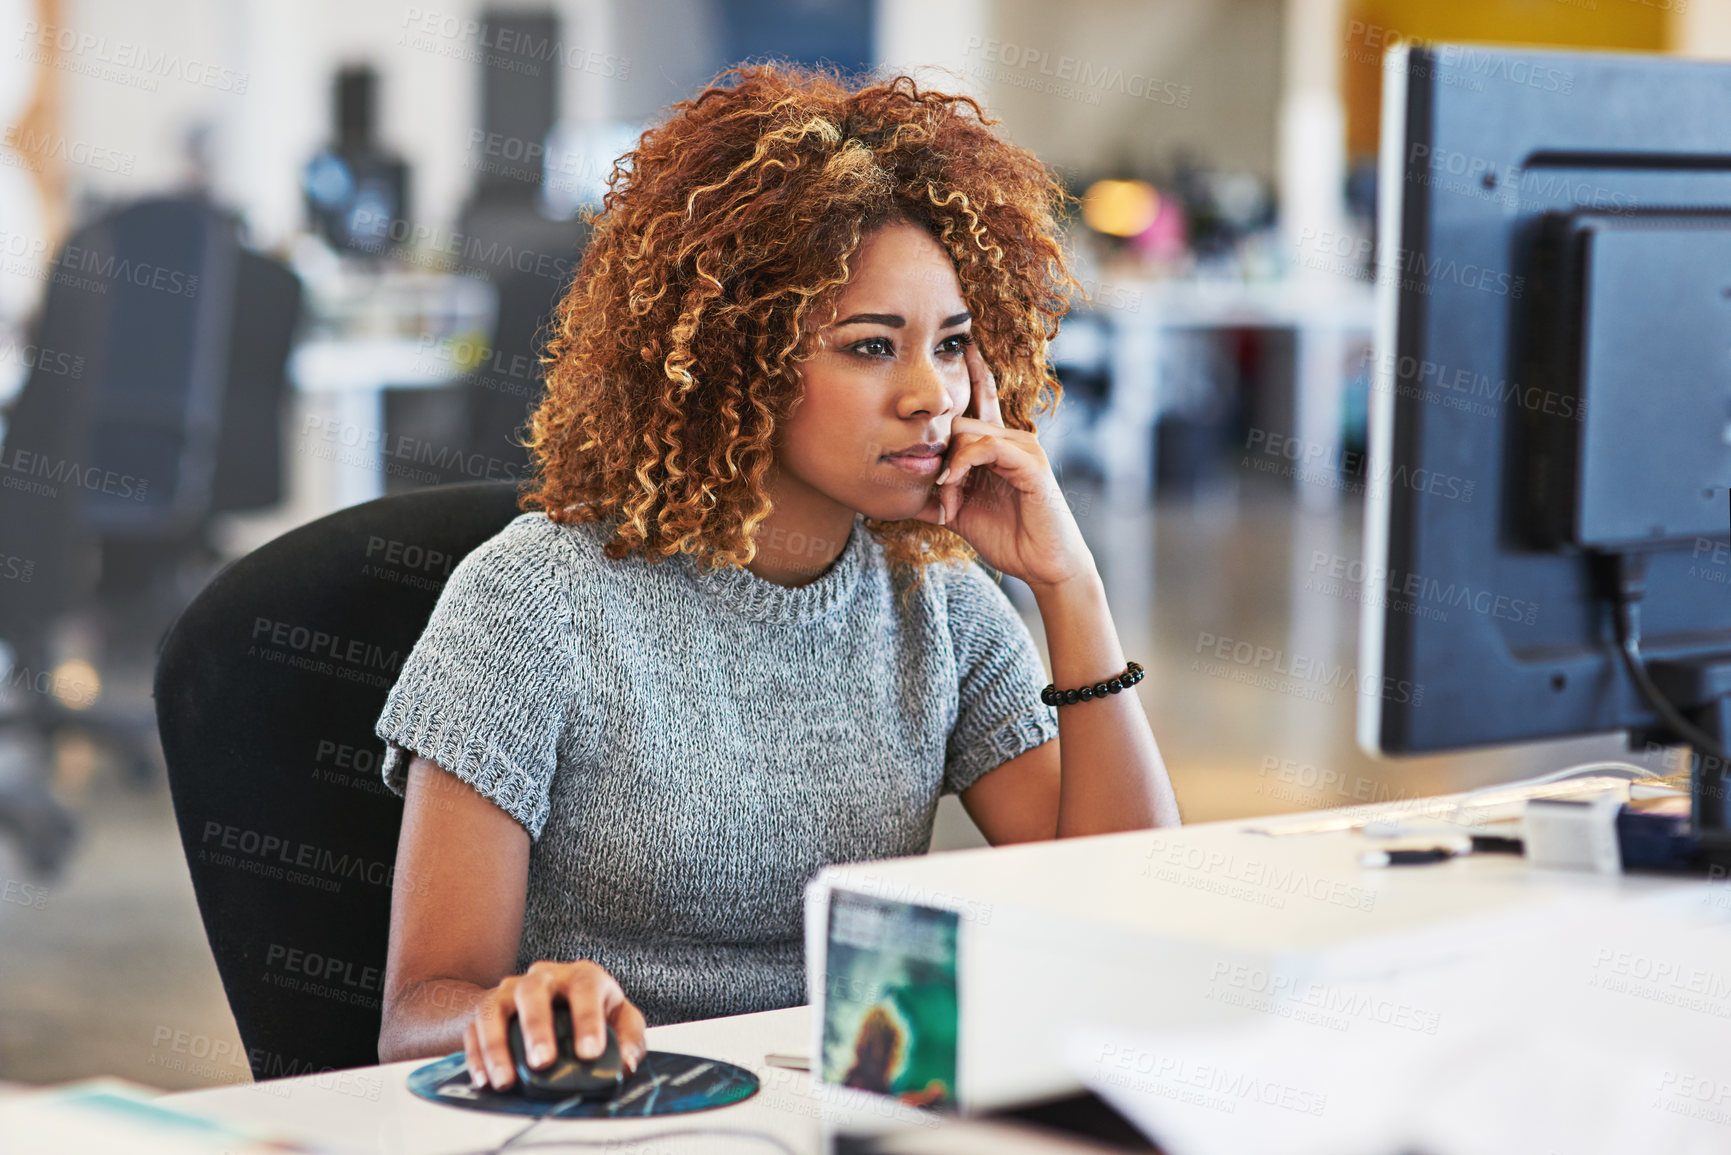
[[357, 194], [1548, 515]]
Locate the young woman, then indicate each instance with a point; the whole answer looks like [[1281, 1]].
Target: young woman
[[737, 636]]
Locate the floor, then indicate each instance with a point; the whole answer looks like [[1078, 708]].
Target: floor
[[105, 969]]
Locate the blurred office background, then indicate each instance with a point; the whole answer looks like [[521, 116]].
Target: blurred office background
[[264, 259]]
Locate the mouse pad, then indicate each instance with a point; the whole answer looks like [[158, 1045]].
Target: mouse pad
[[665, 1083]]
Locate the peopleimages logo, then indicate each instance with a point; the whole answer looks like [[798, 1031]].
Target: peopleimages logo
[[1201, 1084], [429, 243], [320, 867], [1345, 254], [123, 61], [1317, 463], [1071, 76], [39, 474], [1302, 669], [32, 149], [1467, 389], [1337, 575], [502, 47]]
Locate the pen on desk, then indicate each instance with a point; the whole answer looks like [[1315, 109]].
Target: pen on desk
[[1404, 857]]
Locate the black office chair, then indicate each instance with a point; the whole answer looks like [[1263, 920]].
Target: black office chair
[[267, 690]]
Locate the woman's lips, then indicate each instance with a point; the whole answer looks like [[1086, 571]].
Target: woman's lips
[[921, 464]]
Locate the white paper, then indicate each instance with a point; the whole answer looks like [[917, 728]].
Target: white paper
[[1587, 1028]]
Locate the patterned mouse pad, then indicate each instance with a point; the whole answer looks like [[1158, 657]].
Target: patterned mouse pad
[[665, 1083]]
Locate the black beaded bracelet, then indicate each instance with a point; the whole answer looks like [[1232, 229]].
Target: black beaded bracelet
[[1053, 696]]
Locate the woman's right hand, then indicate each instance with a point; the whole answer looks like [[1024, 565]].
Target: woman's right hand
[[595, 998]]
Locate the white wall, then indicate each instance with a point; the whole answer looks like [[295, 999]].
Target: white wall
[[1703, 29], [142, 109], [933, 43], [673, 48], [1312, 129], [273, 62], [623, 59], [271, 105], [1217, 64]]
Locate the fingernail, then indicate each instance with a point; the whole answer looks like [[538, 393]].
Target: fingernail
[[943, 475], [589, 1047], [476, 1079], [543, 1053]]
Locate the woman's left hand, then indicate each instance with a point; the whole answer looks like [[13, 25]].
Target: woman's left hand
[[997, 491]]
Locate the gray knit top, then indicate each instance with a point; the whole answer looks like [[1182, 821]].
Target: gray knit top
[[686, 750]]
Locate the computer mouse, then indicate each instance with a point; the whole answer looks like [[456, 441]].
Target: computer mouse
[[566, 1075]]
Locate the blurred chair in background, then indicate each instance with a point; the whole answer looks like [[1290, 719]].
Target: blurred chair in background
[[163, 409]]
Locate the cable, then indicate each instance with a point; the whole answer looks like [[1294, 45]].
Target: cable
[[514, 1142], [674, 1132], [1631, 587], [536, 1122], [1626, 770], [1614, 769]]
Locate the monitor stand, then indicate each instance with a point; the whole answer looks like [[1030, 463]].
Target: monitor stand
[[1700, 687]]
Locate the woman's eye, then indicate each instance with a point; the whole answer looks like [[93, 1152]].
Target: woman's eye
[[882, 347]]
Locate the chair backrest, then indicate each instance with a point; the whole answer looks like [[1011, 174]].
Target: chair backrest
[[249, 459], [43, 461], [267, 690], [168, 270]]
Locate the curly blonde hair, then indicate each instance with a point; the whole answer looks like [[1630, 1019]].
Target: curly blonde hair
[[722, 246]]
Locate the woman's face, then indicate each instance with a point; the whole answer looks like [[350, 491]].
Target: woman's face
[[889, 375]]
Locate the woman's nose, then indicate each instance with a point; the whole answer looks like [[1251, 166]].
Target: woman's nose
[[926, 389]]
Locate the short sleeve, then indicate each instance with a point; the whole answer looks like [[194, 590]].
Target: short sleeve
[[486, 689], [1000, 714]]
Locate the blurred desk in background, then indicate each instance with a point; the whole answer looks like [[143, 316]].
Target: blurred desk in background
[[339, 426], [369, 329], [334, 437], [1325, 318]]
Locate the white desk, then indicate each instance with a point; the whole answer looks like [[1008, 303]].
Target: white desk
[[339, 431], [371, 1109], [1213, 908], [1202, 965], [1143, 314], [393, 319], [334, 441]]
